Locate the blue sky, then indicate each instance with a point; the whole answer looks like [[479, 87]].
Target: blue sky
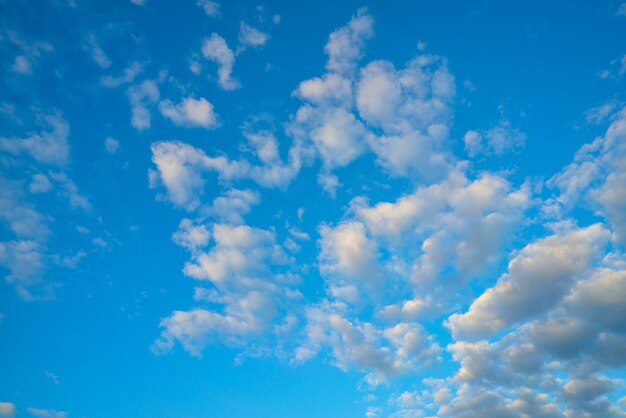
[[312, 209]]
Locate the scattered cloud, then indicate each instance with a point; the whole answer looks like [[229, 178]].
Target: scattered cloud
[[215, 48], [7, 410], [190, 112], [211, 8], [251, 37], [112, 145]]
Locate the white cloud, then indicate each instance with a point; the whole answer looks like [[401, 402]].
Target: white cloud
[[22, 65], [96, 52], [40, 184], [413, 98], [211, 8], [233, 205], [349, 257], [181, 168], [190, 112], [191, 236], [112, 145], [128, 76], [331, 87], [381, 353], [538, 277], [621, 10], [247, 269], [47, 147], [215, 48], [48, 413], [31, 52], [7, 410], [18, 214], [599, 114], [249, 36], [70, 191], [597, 177], [141, 96], [497, 140], [345, 45]]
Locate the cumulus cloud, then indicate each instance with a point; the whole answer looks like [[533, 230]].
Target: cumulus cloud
[[7, 410], [31, 52], [211, 8], [215, 48], [597, 177], [112, 145], [251, 37], [381, 353], [538, 277], [543, 338], [181, 169], [47, 147], [250, 281], [497, 140], [345, 45], [141, 97], [190, 112], [347, 253], [233, 205]]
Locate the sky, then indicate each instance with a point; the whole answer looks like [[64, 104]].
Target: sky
[[215, 208]]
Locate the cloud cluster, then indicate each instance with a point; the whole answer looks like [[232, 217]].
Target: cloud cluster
[[35, 164], [427, 277]]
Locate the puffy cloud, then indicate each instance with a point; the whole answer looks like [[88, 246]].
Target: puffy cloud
[[18, 214], [215, 48], [476, 403], [191, 236], [141, 96], [211, 8], [413, 98], [7, 410], [47, 147], [190, 112], [112, 145], [497, 140], [347, 253], [538, 277], [31, 52], [327, 118], [329, 88], [400, 115], [382, 353], [601, 299], [249, 36], [180, 168], [345, 45], [248, 273], [39, 184], [597, 177], [338, 136], [233, 205]]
